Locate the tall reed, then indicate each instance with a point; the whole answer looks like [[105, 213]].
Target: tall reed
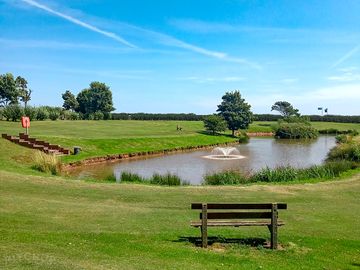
[[48, 163]]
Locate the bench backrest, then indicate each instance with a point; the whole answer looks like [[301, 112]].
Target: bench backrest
[[237, 210]]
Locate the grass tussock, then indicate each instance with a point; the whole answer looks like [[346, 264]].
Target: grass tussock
[[225, 178], [329, 170], [47, 163], [157, 179]]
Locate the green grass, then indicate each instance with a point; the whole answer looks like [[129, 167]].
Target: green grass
[[101, 138], [53, 223], [49, 222], [265, 126]]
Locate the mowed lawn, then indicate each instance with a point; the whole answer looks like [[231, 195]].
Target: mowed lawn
[[101, 138], [53, 223], [49, 222]]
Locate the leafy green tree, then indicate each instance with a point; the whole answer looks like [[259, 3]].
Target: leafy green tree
[[97, 98], [70, 102], [235, 111], [214, 123], [285, 109], [8, 91], [23, 91]]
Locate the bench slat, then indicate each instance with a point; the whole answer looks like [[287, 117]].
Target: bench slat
[[235, 224], [238, 206], [237, 215]]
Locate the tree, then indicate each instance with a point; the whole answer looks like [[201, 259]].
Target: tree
[[97, 98], [235, 111], [214, 123], [23, 91], [70, 102], [285, 109], [8, 91]]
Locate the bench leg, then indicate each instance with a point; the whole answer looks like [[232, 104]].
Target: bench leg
[[204, 238], [274, 227]]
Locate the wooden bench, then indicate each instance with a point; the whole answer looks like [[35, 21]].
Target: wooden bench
[[238, 214]]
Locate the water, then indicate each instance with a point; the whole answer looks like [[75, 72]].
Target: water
[[191, 166]]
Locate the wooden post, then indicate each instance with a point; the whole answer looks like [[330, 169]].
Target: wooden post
[[204, 240], [274, 226]]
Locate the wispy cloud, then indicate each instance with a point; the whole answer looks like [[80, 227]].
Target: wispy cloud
[[168, 40], [348, 74], [80, 23], [348, 55], [157, 37]]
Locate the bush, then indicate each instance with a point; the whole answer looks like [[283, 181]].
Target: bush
[[345, 151], [54, 115], [42, 114], [30, 112], [107, 116], [47, 163], [335, 131], [226, 178], [13, 112], [98, 115], [243, 137], [295, 131]]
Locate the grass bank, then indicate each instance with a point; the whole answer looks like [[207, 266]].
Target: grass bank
[[101, 138], [52, 223]]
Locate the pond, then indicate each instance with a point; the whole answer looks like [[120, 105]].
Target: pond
[[192, 166]]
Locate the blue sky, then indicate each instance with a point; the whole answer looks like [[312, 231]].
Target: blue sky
[[182, 56]]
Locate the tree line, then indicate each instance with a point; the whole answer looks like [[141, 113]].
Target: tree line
[[96, 103]]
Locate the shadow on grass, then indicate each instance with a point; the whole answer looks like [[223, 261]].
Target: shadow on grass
[[253, 242]]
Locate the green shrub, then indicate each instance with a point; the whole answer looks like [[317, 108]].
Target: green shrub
[[13, 112], [30, 112], [42, 114], [286, 130], [345, 151], [107, 116], [165, 180], [47, 163], [98, 115], [54, 115], [335, 131], [243, 137], [226, 178], [74, 116]]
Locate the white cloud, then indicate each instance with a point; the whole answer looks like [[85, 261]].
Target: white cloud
[[156, 36], [348, 55], [348, 74], [79, 22]]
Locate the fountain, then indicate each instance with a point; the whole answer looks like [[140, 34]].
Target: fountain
[[224, 153]]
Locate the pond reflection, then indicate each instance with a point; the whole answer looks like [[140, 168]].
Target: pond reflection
[[191, 166]]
